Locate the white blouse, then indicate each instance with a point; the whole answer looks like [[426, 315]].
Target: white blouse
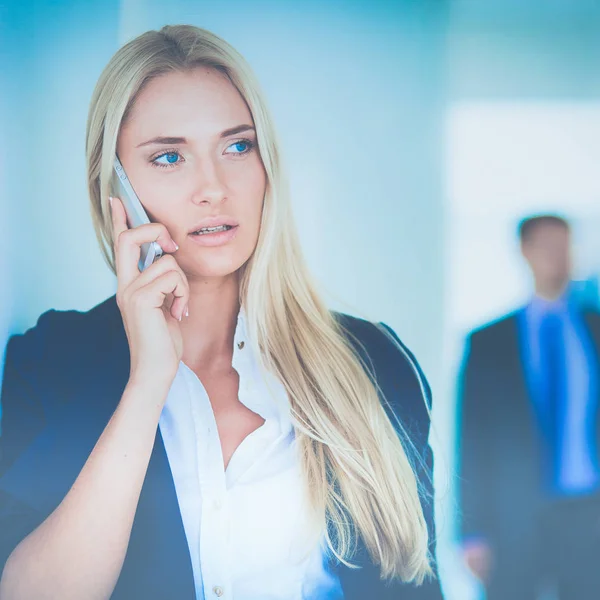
[[247, 527]]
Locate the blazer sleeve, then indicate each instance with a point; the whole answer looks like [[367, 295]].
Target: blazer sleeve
[[413, 408], [22, 418], [473, 443]]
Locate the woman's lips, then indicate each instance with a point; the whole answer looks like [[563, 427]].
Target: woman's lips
[[218, 238]]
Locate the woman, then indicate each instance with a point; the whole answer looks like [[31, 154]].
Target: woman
[[213, 431]]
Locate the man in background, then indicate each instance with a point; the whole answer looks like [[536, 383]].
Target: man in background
[[529, 440]]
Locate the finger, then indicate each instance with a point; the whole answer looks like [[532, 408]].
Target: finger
[[153, 232], [158, 290], [125, 273], [129, 248], [119, 218], [165, 264], [177, 306]]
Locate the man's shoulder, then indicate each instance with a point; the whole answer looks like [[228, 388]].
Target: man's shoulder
[[495, 328]]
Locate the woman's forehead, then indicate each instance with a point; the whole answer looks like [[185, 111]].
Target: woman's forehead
[[201, 102]]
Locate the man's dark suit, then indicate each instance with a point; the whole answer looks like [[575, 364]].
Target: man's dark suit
[[64, 378], [501, 478]]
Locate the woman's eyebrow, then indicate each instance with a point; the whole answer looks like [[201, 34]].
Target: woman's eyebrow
[[236, 130], [182, 140]]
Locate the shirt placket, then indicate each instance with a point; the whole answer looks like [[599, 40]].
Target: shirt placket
[[214, 533]]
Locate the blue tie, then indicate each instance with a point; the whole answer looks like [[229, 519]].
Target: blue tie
[[553, 390]]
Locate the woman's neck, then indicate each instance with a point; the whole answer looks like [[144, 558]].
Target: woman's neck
[[209, 330]]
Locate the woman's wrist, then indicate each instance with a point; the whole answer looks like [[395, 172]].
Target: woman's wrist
[[149, 391]]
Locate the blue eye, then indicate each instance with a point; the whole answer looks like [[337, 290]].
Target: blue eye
[[171, 159], [241, 147]]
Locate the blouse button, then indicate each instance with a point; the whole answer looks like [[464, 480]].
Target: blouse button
[[241, 345], [218, 591]]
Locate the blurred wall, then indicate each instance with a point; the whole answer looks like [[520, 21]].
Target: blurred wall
[[56, 51]]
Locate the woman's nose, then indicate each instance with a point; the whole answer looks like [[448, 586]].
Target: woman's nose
[[209, 185]]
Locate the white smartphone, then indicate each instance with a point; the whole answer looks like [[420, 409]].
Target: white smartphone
[[136, 215]]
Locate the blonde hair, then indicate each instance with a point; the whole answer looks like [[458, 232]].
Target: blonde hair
[[358, 476]]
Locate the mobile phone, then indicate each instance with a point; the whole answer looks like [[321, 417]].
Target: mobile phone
[[136, 215]]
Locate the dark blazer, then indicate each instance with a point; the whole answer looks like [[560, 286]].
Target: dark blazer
[[64, 378], [500, 440]]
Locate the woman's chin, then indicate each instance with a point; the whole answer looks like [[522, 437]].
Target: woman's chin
[[219, 270]]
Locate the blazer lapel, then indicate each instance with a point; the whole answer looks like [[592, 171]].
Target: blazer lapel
[[521, 343], [158, 562]]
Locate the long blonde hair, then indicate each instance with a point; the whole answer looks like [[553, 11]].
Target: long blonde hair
[[357, 472]]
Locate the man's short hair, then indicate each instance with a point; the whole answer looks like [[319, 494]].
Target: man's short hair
[[529, 224]]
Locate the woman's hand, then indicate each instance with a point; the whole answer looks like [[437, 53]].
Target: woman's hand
[[152, 303]]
